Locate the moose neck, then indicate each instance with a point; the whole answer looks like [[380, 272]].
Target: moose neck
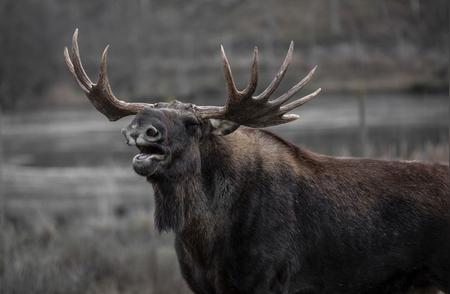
[[180, 202], [202, 196], [199, 195]]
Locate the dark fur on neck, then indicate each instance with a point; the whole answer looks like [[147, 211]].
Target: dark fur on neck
[[202, 188], [196, 191], [180, 202]]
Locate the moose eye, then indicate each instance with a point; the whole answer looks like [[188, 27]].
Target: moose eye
[[151, 132], [190, 122]]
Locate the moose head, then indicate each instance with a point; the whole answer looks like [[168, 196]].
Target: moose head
[[168, 134]]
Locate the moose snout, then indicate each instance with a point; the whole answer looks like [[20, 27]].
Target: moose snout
[[141, 136]]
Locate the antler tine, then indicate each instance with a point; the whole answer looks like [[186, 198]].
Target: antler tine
[[103, 80], [299, 102], [292, 91], [231, 87], [72, 69], [233, 93], [265, 95], [80, 73], [99, 94], [251, 87]]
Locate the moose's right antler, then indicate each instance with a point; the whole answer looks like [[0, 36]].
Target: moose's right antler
[[100, 94], [258, 111]]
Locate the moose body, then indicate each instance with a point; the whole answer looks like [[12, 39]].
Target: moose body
[[278, 219], [253, 213]]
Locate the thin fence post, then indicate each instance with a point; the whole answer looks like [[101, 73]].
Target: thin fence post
[[2, 203], [363, 134]]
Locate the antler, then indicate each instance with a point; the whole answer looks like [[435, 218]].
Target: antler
[[258, 111], [241, 107], [100, 94]]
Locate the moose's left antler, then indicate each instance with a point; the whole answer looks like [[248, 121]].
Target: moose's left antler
[[100, 94], [258, 111]]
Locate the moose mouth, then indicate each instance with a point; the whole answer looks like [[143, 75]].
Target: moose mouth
[[147, 162]]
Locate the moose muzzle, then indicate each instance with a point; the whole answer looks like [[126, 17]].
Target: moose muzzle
[[148, 141]]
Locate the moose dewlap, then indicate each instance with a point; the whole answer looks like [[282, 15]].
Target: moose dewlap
[[253, 213]]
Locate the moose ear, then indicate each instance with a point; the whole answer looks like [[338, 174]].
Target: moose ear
[[222, 127]]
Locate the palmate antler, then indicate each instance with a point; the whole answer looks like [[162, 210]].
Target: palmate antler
[[100, 94], [241, 107], [258, 111]]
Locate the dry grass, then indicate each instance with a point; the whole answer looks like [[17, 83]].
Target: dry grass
[[124, 256]]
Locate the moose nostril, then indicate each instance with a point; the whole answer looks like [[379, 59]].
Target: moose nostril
[[151, 131]]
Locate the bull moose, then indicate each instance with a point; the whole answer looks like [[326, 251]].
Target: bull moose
[[253, 213]]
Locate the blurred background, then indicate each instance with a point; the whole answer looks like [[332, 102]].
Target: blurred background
[[75, 217]]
